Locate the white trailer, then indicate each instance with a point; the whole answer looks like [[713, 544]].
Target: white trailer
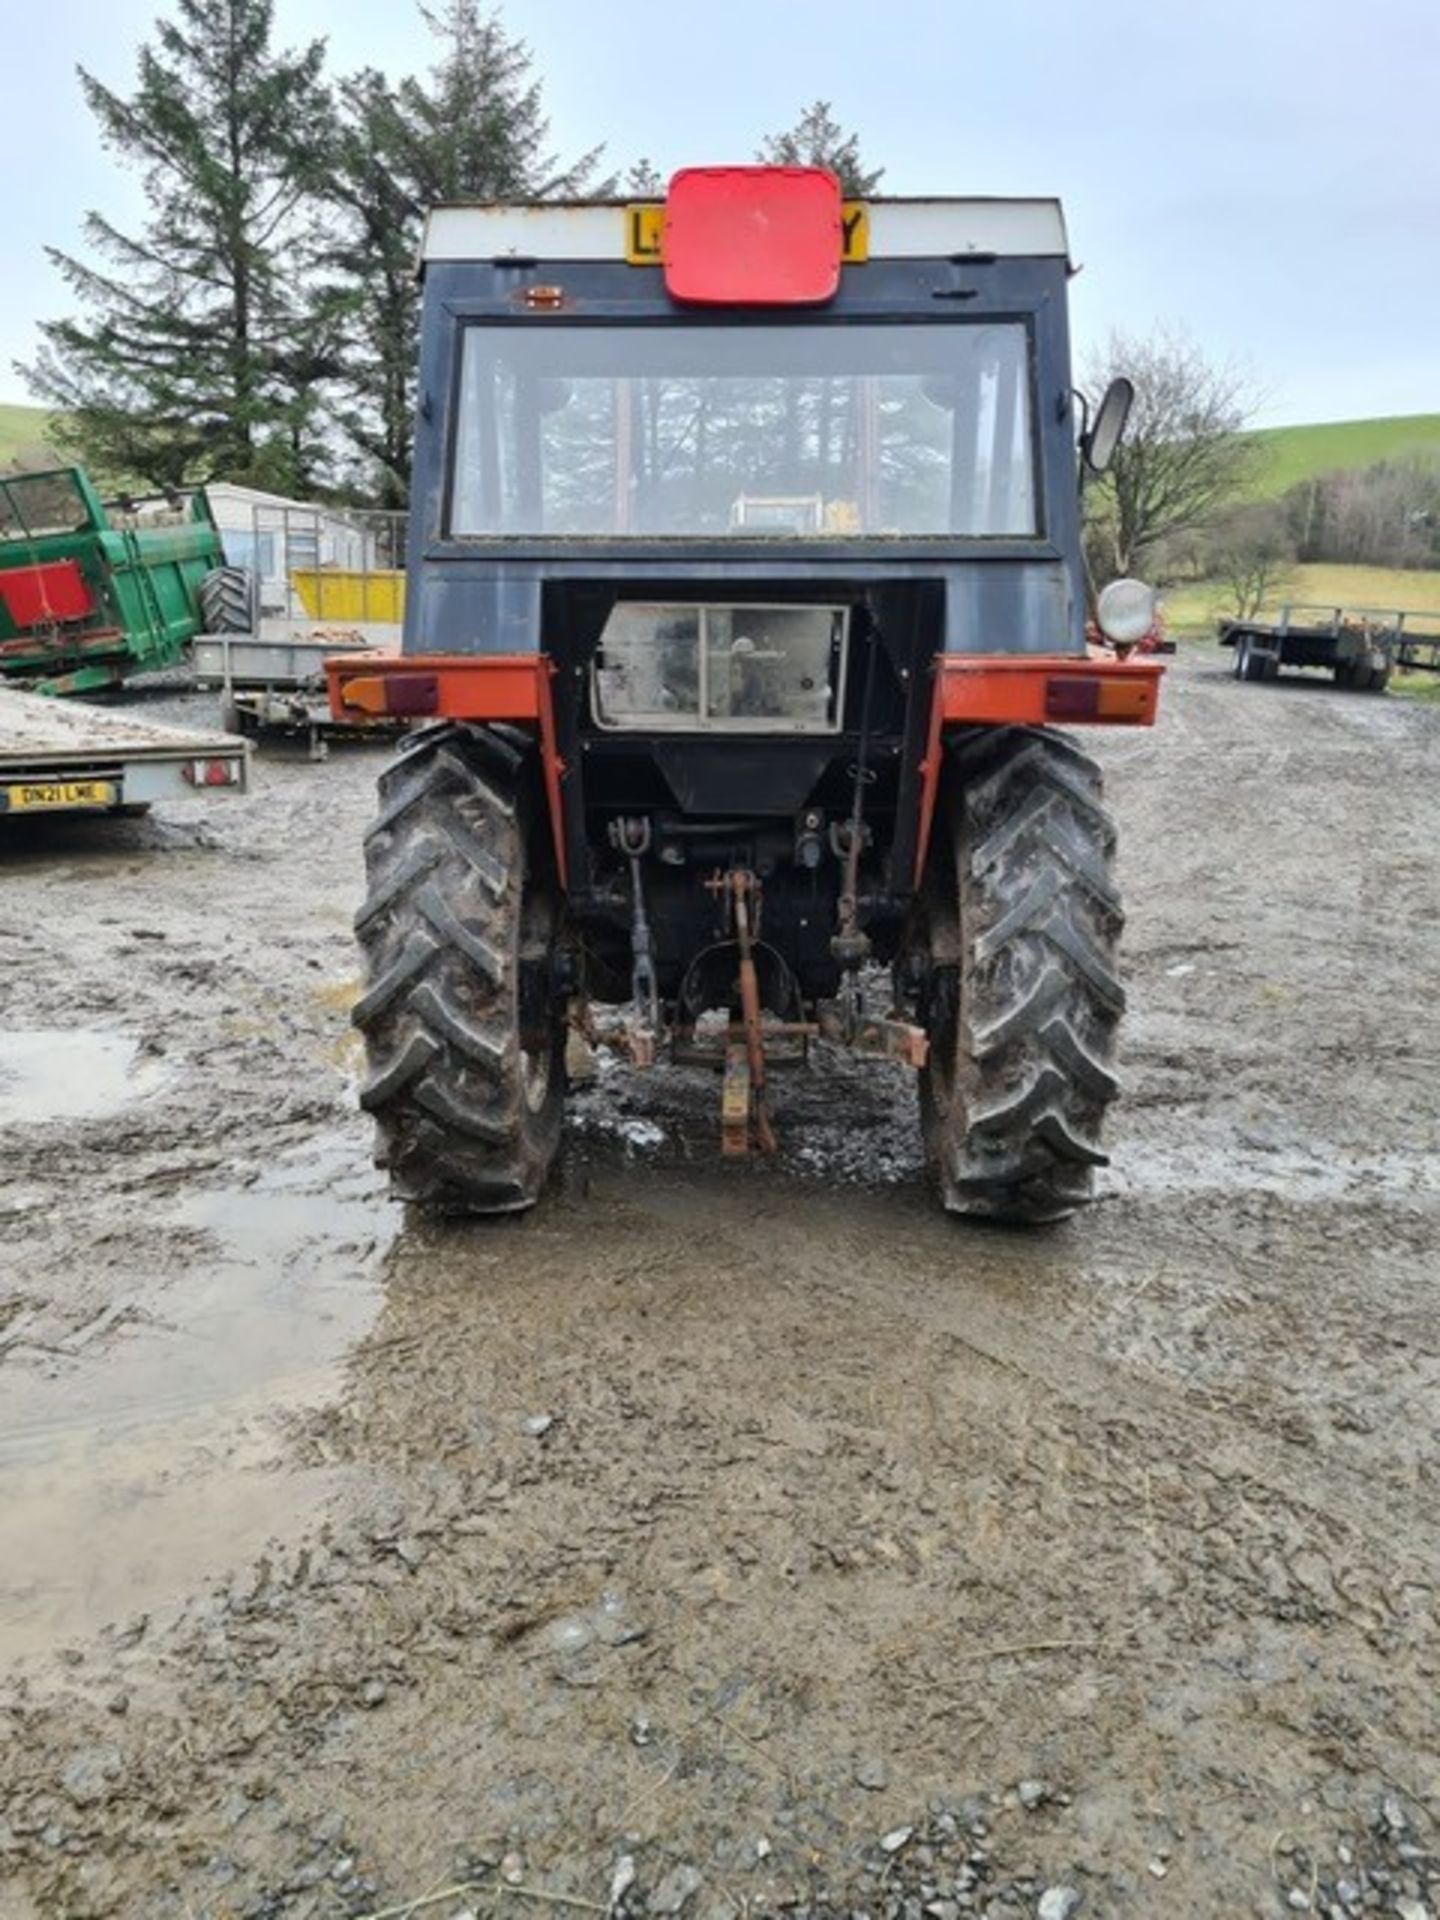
[[58, 756]]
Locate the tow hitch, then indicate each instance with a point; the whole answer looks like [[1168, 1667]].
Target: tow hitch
[[744, 1113]]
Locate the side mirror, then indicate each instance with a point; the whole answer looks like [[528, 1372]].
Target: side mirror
[[1108, 427]]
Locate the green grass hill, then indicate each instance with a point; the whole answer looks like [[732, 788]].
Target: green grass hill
[[1293, 454], [22, 435]]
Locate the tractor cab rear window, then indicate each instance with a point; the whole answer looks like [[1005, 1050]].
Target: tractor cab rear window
[[38, 503], [753, 432], [742, 668]]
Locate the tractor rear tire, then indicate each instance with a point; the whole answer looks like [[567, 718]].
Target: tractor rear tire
[[464, 1029], [227, 600], [1024, 996]]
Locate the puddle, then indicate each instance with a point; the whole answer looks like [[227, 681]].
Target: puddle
[[104, 1528], [62, 1073], [155, 1458], [1218, 1156]]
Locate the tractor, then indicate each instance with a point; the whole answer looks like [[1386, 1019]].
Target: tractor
[[745, 632]]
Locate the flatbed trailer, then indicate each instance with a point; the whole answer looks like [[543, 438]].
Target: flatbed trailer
[[277, 685], [67, 757], [1360, 646]]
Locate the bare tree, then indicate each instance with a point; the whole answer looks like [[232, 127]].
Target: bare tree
[[1251, 551], [1183, 456], [1386, 515]]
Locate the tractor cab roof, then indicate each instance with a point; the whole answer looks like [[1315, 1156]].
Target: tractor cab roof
[[877, 229]]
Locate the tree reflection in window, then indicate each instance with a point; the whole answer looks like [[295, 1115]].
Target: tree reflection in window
[[754, 432]]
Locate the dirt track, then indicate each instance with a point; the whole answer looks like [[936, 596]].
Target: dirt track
[[305, 1614]]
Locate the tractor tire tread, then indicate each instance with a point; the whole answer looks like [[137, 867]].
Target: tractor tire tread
[[227, 600], [460, 1127], [1023, 1038], [393, 1076], [1041, 810]]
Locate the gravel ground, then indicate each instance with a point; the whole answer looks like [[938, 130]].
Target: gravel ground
[[720, 1539]]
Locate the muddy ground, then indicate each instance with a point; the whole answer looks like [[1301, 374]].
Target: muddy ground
[[746, 1534]]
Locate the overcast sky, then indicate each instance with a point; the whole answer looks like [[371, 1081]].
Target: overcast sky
[[1263, 172]]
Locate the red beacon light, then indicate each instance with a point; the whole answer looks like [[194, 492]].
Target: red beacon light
[[752, 236]]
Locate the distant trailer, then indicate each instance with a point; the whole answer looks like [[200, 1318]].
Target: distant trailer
[[69, 758], [1360, 646]]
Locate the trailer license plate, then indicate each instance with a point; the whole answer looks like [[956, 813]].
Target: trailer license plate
[[36, 796]]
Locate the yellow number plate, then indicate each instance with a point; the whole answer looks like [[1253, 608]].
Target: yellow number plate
[[645, 223], [34, 797]]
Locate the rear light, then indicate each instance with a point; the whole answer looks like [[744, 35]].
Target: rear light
[[1108, 697], [1122, 699], [390, 693], [212, 773], [1072, 699]]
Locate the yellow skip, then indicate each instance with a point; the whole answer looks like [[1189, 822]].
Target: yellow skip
[[335, 594]]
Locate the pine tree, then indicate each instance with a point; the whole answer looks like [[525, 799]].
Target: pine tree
[[477, 130], [198, 358], [644, 181], [818, 140], [473, 129], [372, 257]]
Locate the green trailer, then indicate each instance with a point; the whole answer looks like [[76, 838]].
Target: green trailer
[[90, 594]]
